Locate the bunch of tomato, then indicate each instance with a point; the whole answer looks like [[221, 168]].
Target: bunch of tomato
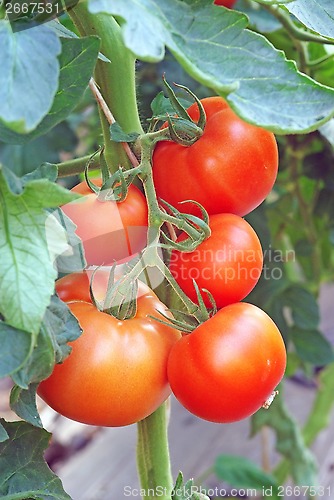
[[120, 371]]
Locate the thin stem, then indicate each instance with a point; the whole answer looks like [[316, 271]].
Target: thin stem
[[110, 117], [153, 461], [77, 165], [320, 60], [303, 55], [298, 33]]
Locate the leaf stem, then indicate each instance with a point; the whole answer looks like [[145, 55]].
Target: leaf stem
[[298, 33], [77, 165], [110, 118]]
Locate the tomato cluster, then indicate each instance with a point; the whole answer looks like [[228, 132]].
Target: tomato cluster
[[120, 371], [228, 366]]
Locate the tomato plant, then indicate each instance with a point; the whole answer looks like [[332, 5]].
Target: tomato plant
[[231, 168], [110, 231], [116, 373], [69, 90], [228, 263], [227, 368], [226, 3]]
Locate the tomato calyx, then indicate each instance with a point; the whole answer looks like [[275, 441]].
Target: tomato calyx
[[119, 302], [186, 322], [114, 187], [178, 126], [201, 229], [182, 128]]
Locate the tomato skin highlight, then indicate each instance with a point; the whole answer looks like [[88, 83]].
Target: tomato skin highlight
[[109, 231], [230, 169], [228, 366], [116, 373], [228, 263]]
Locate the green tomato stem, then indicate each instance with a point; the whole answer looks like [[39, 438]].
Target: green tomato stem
[[77, 165], [156, 218], [116, 79], [153, 460]]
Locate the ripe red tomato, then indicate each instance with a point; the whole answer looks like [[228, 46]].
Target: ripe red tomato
[[231, 168], [226, 3], [116, 373], [228, 263], [109, 231], [228, 366]]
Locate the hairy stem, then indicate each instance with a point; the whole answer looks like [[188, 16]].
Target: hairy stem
[[77, 165], [153, 459], [115, 80]]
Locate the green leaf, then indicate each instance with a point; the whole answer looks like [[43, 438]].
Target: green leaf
[[325, 204], [3, 434], [259, 18], [22, 159], [16, 346], [312, 346], [73, 259], [23, 471], [303, 248], [318, 15], [162, 107], [64, 32], [29, 75], [289, 441], [240, 472], [214, 47], [259, 222], [25, 290], [77, 62], [319, 416], [23, 402], [270, 287], [59, 327], [62, 327], [118, 135], [304, 307]]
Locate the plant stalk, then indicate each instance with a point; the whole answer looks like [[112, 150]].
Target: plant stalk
[[153, 461], [115, 79], [116, 83]]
